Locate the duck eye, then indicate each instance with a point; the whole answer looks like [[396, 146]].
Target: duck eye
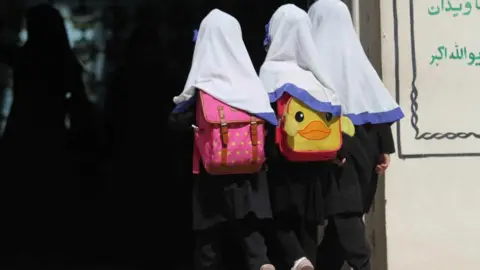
[[328, 117], [299, 116]]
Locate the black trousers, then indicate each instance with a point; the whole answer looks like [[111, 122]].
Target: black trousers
[[292, 241], [211, 243], [344, 240]]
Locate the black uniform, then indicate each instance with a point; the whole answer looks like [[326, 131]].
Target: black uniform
[[226, 205], [350, 196], [297, 203]]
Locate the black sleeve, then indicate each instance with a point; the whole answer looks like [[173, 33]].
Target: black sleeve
[[182, 121], [346, 146], [271, 148], [351, 144], [385, 139]]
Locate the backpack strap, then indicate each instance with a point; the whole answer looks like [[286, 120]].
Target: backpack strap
[[281, 107], [223, 134], [196, 159], [254, 138]]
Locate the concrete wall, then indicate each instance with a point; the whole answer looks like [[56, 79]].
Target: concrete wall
[[370, 35], [432, 188]]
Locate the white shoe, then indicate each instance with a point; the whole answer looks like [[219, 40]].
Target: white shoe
[[303, 264]]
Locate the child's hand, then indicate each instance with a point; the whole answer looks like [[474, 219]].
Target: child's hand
[[339, 161], [384, 163]]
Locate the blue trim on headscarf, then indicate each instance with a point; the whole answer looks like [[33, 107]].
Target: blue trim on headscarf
[[267, 39], [195, 35], [267, 116], [377, 118], [305, 97], [183, 106]]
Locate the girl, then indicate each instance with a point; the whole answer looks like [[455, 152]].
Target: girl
[[370, 106], [235, 203], [291, 69]]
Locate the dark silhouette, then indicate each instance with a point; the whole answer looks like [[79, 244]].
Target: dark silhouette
[[151, 201], [38, 140]]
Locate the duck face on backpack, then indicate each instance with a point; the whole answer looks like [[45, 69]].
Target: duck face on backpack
[[231, 102], [307, 130], [308, 135], [310, 124]]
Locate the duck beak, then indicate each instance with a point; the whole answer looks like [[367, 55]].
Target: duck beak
[[315, 130]]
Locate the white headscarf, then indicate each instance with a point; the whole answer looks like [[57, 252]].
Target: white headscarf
[[222, 68], [363, 96], [292, 62]]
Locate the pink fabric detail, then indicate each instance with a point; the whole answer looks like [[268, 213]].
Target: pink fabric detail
[[210, 112], [208, 139]]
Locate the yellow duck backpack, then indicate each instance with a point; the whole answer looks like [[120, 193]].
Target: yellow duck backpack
[[306, 135]]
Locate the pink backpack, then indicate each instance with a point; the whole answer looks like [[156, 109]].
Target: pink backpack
[[227, 140]]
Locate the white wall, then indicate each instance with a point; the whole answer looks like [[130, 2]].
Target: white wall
[[433, 192]]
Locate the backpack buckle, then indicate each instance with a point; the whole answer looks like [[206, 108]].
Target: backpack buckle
[[223, 127]]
